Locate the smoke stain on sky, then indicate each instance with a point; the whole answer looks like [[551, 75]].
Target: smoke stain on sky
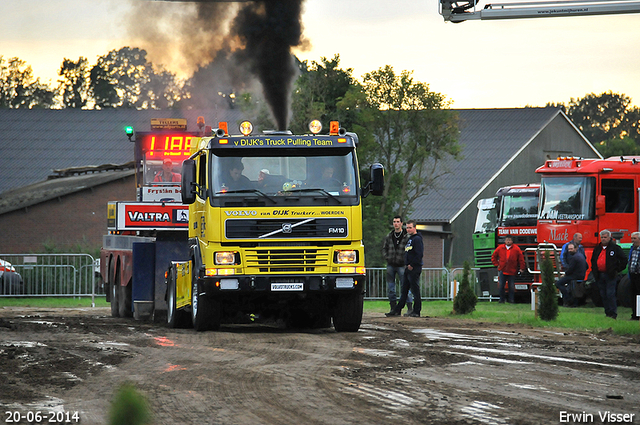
[[222, 40]]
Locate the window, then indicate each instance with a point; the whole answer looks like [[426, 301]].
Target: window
[[618, 195]]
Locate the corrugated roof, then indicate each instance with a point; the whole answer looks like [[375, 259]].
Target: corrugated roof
[[33, 142], [43, 191], [490, 138]]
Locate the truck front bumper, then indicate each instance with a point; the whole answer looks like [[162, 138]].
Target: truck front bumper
[[284, 283]]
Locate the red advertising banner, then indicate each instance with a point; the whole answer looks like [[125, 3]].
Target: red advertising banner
[[151, 216]]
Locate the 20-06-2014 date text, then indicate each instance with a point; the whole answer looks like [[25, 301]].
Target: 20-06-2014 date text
[[38, 417]]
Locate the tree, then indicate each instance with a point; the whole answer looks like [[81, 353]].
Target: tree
[[75, 83], [19, 89], [605, 120], [318, 92], [413, 132], [548, 295], [465, 300], [618, 147], [124, 78]]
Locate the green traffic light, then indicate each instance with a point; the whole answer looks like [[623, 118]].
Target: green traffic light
[[128, 130]]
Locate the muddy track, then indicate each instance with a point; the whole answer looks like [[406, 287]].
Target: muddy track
[[413, 370]]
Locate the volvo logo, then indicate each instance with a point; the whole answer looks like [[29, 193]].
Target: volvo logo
[[287, 228]]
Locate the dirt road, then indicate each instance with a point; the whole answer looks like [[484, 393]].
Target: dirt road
[[401, 370]]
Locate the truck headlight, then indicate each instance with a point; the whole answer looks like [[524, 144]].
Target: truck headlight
[[224, 258], [346, 257]]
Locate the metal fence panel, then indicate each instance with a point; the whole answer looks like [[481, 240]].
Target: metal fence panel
[[434, 284], [51, 275]]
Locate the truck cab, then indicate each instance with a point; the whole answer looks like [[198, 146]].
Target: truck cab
[[275, 230]]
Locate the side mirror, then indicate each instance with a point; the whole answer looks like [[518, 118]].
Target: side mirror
[[376, 181], [600, 205], [188, 185]]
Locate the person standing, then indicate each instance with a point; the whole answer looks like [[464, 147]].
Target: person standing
[[393, 253], [607, 260], [509, 260], [576, 269], [634, 273], [414, 251], [577, 241]]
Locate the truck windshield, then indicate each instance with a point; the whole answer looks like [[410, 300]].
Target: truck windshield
[[519, 210], [290, 174], [487, 217], [567, 198]]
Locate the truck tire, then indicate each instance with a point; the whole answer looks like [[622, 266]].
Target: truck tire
[[623, 296], [124, 302], [175, 318], [115, 292], [347, 313], [205, 311]]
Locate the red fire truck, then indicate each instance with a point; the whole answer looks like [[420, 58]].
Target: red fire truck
[[586, 196]]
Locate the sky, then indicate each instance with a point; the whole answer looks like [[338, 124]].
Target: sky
[[475, 64]]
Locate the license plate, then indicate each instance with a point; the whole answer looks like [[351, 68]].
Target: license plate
[[522, 287], [287, 286]]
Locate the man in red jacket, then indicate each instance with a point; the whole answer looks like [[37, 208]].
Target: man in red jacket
[[509, 260]]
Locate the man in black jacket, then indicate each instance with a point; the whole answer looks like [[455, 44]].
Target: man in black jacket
[[414, 251], [607, 260], [393, 252], [576, 269]]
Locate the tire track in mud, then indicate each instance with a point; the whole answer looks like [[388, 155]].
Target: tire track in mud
[[248, 375], [489, 377]]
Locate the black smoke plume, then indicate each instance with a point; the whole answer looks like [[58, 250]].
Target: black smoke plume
[[269, 29], [212, 38]]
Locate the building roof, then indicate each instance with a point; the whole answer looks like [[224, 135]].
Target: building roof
[[69, 183], [34, 142], [490, 139]]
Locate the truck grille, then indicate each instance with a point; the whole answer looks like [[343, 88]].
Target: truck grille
[[286, 228], [273, 260], [483, 258]]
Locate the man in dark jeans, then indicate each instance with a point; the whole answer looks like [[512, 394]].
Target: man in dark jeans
[[414, 251], [393, 252], [607, 261]]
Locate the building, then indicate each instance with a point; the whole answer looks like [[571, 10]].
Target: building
[[59, 168], [500, 147]]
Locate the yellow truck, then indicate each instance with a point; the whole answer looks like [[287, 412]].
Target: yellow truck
[[275, 230]]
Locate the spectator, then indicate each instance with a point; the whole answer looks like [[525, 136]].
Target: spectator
[[577, 240], [634, 273], [393, 253], [576, 269], [509, 260], [607, 260], [414, 251]]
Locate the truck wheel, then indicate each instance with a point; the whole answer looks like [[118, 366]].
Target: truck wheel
[[623, 296], [124, 303], [115, 292], [347, 314], [175, 318], [205, 311]]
